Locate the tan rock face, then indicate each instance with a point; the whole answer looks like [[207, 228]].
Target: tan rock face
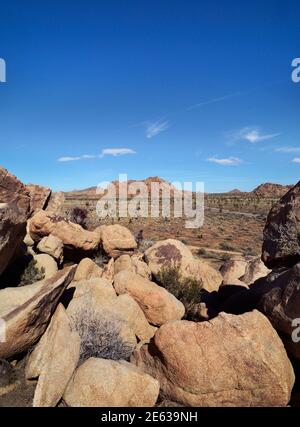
[[140, 267], [123, 263], [255, 269], [51, 245], [158, 304], [228, 361], [99, 296], [108, 383], [170, 252], [109, 270], [47, 263], [26, 323], [12, 298], [132, 264], [56, 204], [232, 270], [87, 269], [281, 304], [210, 278], [72, 235], [117, 239], [52, 361], [281, 245], [39, 196], [14, 211]]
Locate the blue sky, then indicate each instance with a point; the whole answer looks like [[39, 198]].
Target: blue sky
[[187, 90]]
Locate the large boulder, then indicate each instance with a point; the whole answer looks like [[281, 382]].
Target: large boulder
[[97, 299], [47, 264], [232, 270], [133, 264], [72, 235], [116, 239], [14, 211], [51, 245], [87, 269], [108, 383], [26, 323], [281, 245], [56, 204], [39, 196], [281, 304], [228, 361], [52, 361], [156, 302], [255, 269], [173, 253]]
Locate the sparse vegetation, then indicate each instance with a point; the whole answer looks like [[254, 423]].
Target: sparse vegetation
[[79, 216], [185, 289], [100, 336], [100, 258], [31, 274], [146, 244]]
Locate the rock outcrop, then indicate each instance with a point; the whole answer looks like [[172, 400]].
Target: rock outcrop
[[116, 239], [14, 211], [171, 252], [282, 304], [51, 245], [26, 323], [72, 235], [229, 361], [39, 196], [281, 245], [156, 302], [54, 360], [108, 383]]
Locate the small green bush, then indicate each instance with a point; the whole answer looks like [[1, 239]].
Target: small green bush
[[31, 274], [185, 289], [100, 336]]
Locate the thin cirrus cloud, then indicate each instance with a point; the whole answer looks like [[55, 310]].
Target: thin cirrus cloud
[[105, 152], [116, 152], [229, 161], [288, 150], [154, 129], [296, 160], [253, 135]]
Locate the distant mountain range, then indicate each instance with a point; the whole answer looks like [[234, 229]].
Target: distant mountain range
[[263, 190]]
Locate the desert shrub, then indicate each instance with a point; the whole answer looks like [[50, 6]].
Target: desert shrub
[[100, 336], [100, 258], [185, 289], [226, 247], [225, 257], [146, 244], [201, 251], [249, 252], [79, 216], [31, 274]]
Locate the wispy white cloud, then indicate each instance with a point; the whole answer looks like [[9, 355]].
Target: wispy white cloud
[[288, 149], [68, 159], [116, 152], [296, 160], [88, 156], [253, 135], [229, 161], [154, 129], [105, 152]]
